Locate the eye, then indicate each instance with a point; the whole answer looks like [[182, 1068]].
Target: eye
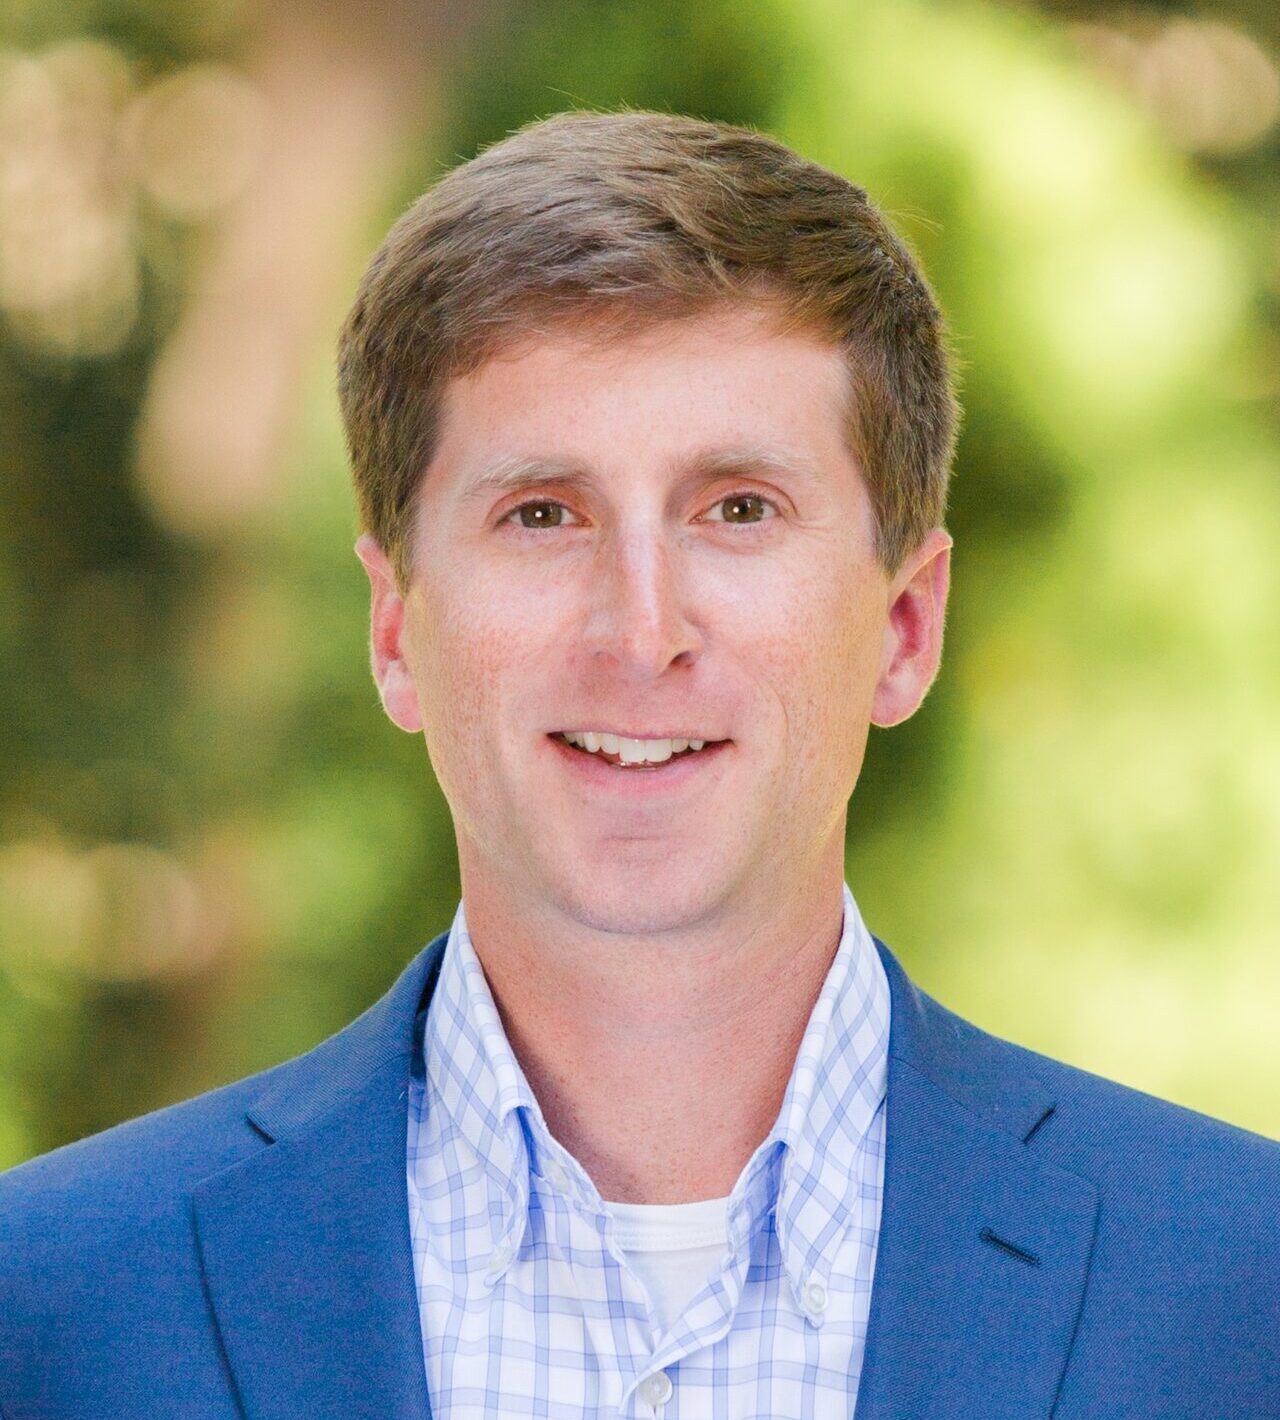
[[541, 512], [543, 507], [745, 499]]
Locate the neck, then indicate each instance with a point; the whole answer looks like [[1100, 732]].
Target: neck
[[662, 1094]]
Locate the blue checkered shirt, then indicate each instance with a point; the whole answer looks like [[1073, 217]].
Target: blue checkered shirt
[[528, 1305]]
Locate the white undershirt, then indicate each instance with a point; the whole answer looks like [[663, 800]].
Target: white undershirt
[[673, 1247]]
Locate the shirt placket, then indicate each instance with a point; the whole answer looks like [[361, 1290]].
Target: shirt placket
[[613, 1307], [649, 1394]]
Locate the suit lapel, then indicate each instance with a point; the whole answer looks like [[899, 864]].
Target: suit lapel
[[980, 1271], [305, 1246], [984, 1248]]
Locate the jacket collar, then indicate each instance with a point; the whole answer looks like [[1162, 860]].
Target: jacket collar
[[984, 1247], [305, 1245]]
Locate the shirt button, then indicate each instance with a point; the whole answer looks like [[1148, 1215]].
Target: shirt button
[[815, 1297], [558, 1177], [656, 1389]]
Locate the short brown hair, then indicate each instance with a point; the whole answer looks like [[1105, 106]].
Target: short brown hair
[[627, 218]]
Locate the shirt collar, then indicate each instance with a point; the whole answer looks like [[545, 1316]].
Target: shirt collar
[[473, 1075], [836, 1089], [805, 1170]]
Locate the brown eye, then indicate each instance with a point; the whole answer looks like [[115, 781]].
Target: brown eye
[[538, 513], [744, 509]]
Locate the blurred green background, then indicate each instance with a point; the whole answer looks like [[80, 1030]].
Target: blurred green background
[[215, 850]]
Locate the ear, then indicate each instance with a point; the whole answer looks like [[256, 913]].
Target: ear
[[387, 653], [913, 632]]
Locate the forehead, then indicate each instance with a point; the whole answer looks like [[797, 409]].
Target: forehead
[[723, 389]]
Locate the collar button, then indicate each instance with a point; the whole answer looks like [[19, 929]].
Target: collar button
[[656, 1389], [815, 1300]]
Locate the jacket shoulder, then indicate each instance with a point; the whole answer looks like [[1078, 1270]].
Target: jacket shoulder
[[98, 1259], [1187, 1243], [1177, 1188], [101, 1278], [117, 1193], [170, 1150], [1102, 1120], [1081, 1118]]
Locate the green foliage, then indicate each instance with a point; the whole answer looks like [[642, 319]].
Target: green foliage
[[213, 848], [1096, 882]]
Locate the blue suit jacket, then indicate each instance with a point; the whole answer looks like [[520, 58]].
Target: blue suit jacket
[[1051, 1244]]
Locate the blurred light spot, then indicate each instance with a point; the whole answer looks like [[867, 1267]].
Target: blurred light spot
[[211, 435], [1211, 87], [195, 138], [116, 912], [1138, 304], [45, 903], [1060, 158], [1127, 290], [68, 266], [146, 913], [1176, 551]]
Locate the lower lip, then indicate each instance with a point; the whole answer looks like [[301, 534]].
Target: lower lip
[[662, 778]]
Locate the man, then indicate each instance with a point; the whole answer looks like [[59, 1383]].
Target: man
[[651, 423]]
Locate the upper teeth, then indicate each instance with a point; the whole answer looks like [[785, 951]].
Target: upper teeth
[[630, 751]]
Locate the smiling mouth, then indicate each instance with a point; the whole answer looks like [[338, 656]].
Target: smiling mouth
[[642, 765]]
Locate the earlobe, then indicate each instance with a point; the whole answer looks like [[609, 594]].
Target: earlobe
[[400, 698], [913, 632], [391, 672]]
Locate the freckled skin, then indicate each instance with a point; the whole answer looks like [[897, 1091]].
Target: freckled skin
[[654, 960]]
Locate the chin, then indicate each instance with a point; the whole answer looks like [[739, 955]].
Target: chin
[[639, 897]]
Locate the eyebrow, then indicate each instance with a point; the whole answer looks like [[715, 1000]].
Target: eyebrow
[[513, 472]]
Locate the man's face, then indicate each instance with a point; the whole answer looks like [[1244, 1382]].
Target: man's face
[[696, 559]]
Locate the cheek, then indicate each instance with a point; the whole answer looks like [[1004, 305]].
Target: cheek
[[818, 657], [477, 652], [816, 628]]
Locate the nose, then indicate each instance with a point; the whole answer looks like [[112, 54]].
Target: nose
[[639, 611]]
